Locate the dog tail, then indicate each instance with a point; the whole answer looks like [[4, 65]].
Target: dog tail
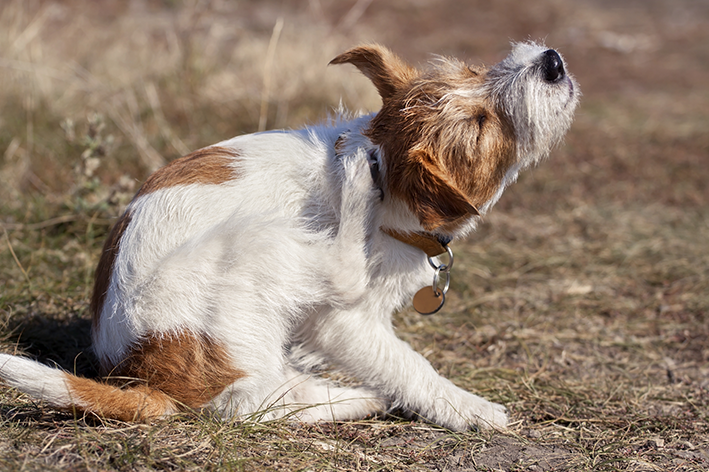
[[70, 392]]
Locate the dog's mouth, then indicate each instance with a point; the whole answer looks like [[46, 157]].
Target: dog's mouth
[[571, 97], [572, 92]]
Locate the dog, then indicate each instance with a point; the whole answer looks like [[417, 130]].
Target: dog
[[239, 271]]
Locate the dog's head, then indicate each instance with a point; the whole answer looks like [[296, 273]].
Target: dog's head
[[452, 136]]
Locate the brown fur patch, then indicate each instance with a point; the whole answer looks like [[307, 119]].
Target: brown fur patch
[[105, 267], [212, 165], [191, 369], [446, 147], [138, 403], [387, 72]]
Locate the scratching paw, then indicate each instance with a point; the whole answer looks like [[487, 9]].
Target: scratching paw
[[358, 177]]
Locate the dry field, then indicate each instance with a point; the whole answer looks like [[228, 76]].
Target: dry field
[[582, 303]]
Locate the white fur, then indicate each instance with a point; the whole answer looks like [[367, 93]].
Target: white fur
[[541, 112], [35, 379], [286, 266]]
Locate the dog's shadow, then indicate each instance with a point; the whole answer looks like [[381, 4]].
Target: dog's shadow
[[64, 342]]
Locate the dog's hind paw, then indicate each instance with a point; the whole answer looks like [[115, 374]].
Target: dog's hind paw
[[357, 182]]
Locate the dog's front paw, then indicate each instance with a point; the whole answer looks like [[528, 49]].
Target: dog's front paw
[[474, 412], [491, 416]]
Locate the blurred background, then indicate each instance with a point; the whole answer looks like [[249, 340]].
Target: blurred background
[[582, 303], [167, 77]]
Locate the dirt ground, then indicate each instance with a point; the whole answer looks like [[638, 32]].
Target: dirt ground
[[582, 303]]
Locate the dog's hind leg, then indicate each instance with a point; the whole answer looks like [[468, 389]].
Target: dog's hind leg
[[350, 268], [310, 399], [300, 397]]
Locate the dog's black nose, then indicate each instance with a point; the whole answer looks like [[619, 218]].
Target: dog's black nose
[[553, 66]]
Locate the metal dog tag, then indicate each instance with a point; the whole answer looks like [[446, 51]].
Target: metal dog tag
[[426, 302]]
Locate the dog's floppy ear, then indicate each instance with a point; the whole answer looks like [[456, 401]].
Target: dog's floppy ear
[[384, 68], [433, 198]]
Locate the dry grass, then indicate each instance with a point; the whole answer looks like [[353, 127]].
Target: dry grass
[[582, 303]]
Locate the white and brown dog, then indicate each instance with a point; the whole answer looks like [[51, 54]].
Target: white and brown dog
[[239, 269]]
